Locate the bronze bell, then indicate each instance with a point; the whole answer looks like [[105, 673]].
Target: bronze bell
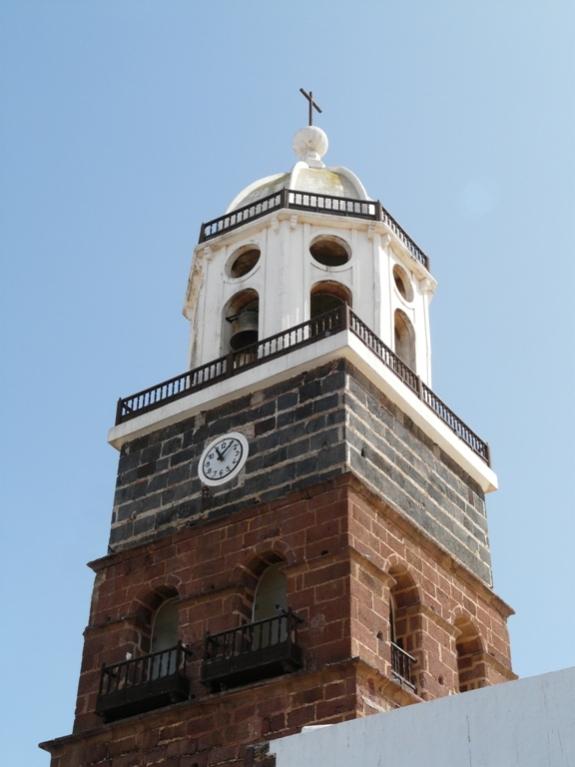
[[244, 328]]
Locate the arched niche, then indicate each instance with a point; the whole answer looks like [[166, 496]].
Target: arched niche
[[404, 625], [404, 339], [470, 656]]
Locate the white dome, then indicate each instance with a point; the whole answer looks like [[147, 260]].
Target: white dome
[[308, 175]]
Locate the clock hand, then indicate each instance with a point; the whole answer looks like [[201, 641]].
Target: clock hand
[[220, 455], [227, 447]]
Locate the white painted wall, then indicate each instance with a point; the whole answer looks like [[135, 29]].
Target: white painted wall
[[527, 723]]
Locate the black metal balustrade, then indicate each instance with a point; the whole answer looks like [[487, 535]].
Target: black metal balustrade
[[251, 652], [142, 684], [316, 203], [402, 666], [296, 337], [232, 364]]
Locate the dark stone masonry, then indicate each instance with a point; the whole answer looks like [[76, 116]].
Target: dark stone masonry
[[306, 430]]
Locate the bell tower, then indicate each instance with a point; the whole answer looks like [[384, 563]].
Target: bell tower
[[299, 531]]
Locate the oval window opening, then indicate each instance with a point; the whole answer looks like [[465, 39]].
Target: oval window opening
[[402, 283], [244, 261], [330, 251]]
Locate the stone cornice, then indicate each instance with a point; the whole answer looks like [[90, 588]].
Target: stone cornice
[[447, 561], [495, 664], [210, 701]]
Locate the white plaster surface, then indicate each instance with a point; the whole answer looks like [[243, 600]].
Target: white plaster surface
[[526, 723], [287, 272]]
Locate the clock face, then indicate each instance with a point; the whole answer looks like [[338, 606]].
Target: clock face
[[223, 458]]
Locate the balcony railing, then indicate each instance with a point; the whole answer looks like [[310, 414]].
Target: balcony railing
[[142, 684], [232, 364], [252, 652], [402, 666], [316, 203], [287, 341]]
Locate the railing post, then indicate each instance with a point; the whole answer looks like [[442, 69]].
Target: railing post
[[346, 323], [285, 198], [419, 387], [229, 364], [119, 411], [378, 211], [102, 679]]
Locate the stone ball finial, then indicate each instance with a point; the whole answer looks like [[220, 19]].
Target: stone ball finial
[[310, 144]]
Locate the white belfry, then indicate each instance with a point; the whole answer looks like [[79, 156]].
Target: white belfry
[[278, 266]]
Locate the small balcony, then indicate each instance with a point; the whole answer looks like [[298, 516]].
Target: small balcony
[[143, 684], [252, 652], [402, 666]]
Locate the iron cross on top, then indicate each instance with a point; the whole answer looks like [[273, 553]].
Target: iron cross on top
[[311, 105]]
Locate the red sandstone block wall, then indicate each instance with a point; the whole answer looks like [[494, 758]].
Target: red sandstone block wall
[[216, 730], [385, 550], [345, 554], [214, 570]]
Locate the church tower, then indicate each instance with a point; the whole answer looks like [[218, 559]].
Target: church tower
[[299, 531]]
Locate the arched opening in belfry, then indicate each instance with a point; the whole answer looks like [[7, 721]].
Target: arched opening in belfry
[[241, 321], [404, 626], [404, 339], [471, 668], [327, 296]]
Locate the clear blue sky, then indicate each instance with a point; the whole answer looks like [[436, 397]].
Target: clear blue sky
[[126, 123]]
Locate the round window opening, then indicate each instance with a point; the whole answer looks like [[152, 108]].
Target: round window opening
[[244, 261], [402, 283], [330, 251]]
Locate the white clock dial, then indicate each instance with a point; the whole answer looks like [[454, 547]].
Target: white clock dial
[[223, 458]]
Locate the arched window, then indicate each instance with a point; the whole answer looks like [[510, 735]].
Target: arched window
[[404, 626], [404, 339], [165, 626], [271, 594], [241, 321], [470, 661], [165, 635], [327, 296], [270, 604]]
